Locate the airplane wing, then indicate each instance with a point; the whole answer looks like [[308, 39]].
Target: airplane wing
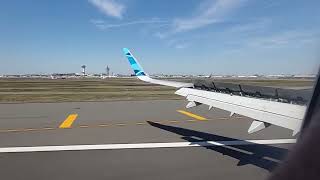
[[265, 112]]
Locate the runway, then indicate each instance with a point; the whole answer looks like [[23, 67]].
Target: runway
[[134, 139]]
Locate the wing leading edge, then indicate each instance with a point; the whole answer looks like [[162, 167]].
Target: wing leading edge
[[265, 112]]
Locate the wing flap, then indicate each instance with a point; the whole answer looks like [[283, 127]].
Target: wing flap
[[281, 114]]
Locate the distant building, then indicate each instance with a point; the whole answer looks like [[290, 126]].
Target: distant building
[[83, 70]]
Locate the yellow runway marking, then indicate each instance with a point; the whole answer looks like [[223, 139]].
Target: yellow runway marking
[[67, 123], [72, 118], [197, 117]]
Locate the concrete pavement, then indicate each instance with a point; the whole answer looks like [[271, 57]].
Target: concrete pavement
[[130, 123]]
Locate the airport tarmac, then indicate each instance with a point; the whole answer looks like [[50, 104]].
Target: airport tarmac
[[134, 140]]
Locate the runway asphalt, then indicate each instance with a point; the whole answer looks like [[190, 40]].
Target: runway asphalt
[[119, 126]]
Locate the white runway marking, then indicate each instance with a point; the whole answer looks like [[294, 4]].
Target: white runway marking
[[142, 145]]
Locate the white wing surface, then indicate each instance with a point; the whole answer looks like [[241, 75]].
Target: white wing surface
[[265, 112]]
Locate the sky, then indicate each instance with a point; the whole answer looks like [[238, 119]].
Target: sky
[[230, 37]]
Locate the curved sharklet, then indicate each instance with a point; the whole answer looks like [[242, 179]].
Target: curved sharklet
[[142, 75]]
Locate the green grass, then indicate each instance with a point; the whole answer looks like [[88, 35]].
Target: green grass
[[113, 89], [68, 90]]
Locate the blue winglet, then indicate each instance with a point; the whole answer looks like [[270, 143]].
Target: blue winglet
[[134, 63]]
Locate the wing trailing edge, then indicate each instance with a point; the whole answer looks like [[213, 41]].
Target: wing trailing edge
[[265, 111]]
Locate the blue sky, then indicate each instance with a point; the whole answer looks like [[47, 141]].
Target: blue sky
[[167, 36]]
